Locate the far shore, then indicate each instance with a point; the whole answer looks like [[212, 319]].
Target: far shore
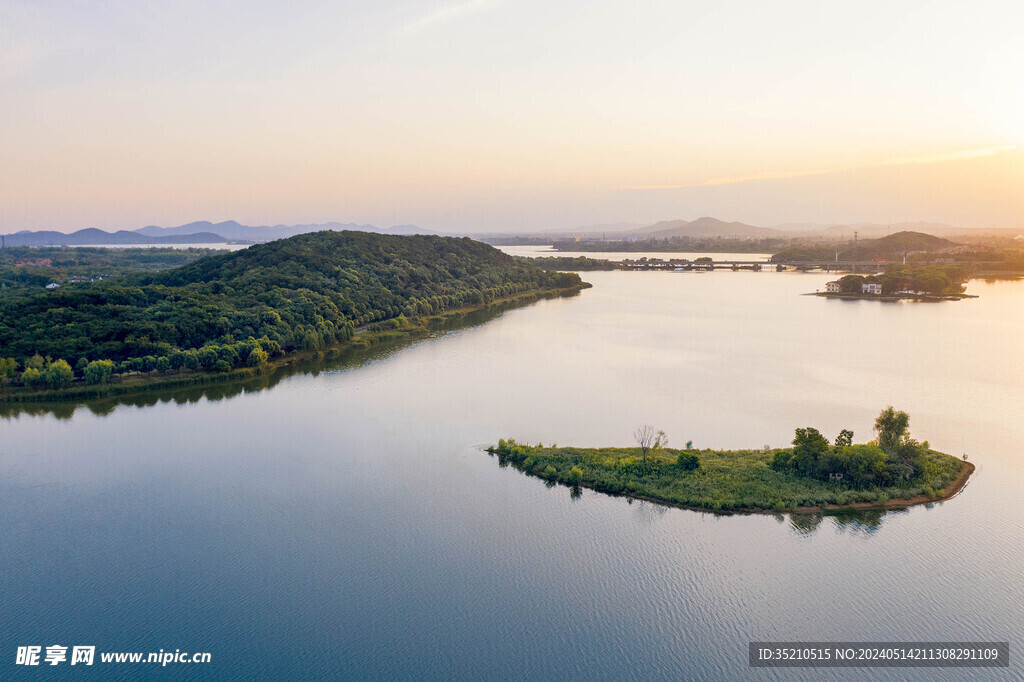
[[364, 337]]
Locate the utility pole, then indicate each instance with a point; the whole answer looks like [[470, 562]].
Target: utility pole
[[856, 253]]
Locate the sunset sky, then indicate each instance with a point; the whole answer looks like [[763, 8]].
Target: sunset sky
[[492, 115]]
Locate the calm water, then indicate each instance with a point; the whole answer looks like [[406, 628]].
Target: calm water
[[533, 250], [347, 525]]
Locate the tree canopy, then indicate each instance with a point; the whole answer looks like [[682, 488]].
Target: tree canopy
[[237, 309], [894, 458]]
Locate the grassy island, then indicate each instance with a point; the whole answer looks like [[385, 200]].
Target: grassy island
[[245, 312], [812, 476]]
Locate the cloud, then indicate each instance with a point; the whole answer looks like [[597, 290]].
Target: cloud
[[443, 14], [905, 161]]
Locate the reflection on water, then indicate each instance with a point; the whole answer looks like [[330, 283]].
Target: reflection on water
[[864, 521], [332, 359], [345, 525]]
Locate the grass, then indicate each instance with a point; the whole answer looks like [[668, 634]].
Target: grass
[[725, 480]]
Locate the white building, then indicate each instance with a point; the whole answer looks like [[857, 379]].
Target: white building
[[833, 287], [870, 288]]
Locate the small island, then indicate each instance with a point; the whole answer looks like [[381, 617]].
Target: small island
[[813, 476], [902, 282]]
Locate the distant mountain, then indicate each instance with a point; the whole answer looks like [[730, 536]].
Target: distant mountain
[[877, 230], [704, 227], [263, 233], [800, 227], [891, 247], [200, 232], [907, 241], [95, 237], [603, 228]]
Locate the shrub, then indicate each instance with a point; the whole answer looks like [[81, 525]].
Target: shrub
[[687, 461], [575, 475], [257, 358], [222, 366], [31, 377], [59, 374], [550, 471], [98, 372]]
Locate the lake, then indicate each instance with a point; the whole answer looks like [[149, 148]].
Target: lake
[[345, 522]]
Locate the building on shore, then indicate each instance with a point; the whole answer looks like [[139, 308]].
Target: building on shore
[[833, 287], [871, 288]]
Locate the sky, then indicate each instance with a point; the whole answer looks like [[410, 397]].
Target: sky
[[503, 115]]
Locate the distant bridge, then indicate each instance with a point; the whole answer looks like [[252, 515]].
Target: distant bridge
[[757, 265]]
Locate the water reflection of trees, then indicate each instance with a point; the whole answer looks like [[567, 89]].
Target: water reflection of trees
[[853, 521], [346, 357]]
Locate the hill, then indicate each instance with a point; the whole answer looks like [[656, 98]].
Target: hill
[[704, 227], [200, 232], [236, 231], [92, 236], [230, 310], [892, 247], [875, 230]]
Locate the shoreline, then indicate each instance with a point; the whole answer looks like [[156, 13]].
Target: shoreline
[[892, 297], [529, 460], [364, 337], [954, 489]]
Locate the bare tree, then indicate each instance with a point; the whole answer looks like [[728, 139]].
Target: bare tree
[[648, 439]]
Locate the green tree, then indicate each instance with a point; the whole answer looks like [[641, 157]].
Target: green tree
[[35, 362], [59, 374], [844, 438], [860, 463], [98, 372], [31, 377], [850, 284], [808, 448], [892, 427], [8, 369], [257, 358]]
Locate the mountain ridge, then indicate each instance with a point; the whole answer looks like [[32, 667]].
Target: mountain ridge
[[197, 232]]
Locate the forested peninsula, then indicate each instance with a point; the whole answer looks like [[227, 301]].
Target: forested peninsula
[[892, 471], [239, 312]]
